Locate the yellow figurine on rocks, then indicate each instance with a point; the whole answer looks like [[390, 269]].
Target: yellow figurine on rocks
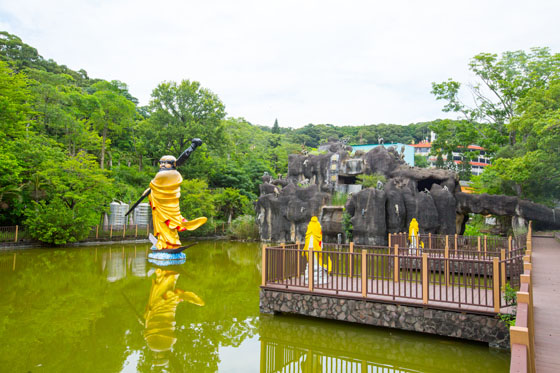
[[164, 193]]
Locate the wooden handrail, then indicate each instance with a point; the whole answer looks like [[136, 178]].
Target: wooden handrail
[[522, 335]]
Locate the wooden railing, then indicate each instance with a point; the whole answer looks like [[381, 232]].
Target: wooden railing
[[17, 233], [457, 279], [522, 335], [485, 244]]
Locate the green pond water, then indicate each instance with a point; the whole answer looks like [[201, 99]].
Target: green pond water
[[106, 309]]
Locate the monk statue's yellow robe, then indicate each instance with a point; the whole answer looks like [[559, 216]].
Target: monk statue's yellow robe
[[159, 331], [314, 239], [166, 214]]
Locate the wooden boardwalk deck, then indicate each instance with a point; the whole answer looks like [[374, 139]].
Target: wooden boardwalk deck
[[546, 303]]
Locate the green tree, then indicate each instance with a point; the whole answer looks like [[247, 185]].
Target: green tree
[[79, 190], [115, 115], [180, 112], [420, 161], [276, 127], [230, 204], [502, 81], [196, 199], [15, 97]]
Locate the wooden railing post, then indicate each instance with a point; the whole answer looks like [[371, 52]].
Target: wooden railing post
[[478, 244], [525, 298], [111, 232], [389, 240], [503, 277], [283, 246], [509, 244], [455, 244], [447, 242], [263, 266], [17, 229], [364, 273], [310, 269], [298, 257], [136, 231], [530, 239], [526, 278], [446, 259], [425, 285], [396, 271], [430, 240], [496, 283], [351, 259], [520, 335], [97, 231]]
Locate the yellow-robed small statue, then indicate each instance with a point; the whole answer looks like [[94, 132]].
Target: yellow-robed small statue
[[314, 240], [414, 236]]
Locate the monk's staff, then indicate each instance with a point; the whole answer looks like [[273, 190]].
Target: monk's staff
[[195, 143]]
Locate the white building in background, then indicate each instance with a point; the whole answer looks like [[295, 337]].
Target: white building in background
[[477, 165]]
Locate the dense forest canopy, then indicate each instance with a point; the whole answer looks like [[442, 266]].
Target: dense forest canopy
[[70, 144]]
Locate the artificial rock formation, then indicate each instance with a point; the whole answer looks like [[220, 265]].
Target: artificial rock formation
[[432, 196]]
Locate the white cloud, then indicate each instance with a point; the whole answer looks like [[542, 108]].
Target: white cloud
[[351, 62]]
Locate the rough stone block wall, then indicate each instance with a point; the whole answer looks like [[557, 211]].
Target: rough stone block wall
[[472, 327]]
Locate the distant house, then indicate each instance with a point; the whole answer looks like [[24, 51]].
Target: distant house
[[477, 165]]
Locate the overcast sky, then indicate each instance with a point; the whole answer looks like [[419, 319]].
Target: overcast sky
[[340, 62]]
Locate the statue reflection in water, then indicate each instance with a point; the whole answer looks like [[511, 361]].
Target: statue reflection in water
[[160, 312]]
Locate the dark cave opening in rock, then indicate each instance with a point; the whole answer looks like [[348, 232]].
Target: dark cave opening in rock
[[347, 179], [427, 184]]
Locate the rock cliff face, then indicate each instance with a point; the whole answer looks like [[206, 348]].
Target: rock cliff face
[[432, 196]]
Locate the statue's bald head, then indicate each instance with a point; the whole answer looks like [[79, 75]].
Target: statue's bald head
[[167, 162]]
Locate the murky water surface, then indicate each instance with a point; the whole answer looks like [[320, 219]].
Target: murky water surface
[[106, 309]]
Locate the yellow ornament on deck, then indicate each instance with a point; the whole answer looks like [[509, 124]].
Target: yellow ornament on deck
[[414, 235], [314, 239]]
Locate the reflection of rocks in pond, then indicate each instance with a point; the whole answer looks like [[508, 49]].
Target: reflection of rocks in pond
[[160, 312]]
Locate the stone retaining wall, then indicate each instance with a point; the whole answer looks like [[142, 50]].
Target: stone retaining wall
[[473, 327]]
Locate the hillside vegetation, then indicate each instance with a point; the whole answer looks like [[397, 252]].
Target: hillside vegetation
[[71, 144]]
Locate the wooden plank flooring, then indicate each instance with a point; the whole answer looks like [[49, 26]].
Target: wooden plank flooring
[[546, 303]]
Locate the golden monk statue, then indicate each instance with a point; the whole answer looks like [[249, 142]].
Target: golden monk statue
[[164, 200], [159, 331], [164, 193]]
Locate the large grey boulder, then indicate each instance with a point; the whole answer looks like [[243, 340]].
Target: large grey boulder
[[367, 209]]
